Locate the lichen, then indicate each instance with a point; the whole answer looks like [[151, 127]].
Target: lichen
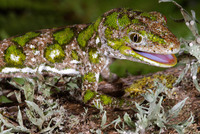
[[106, 99], [93, 55], [54, 53], [88, 95], [148, 15], [74, 55], [153, 37], [85, 35], [64, 36], [90, 77], [14, 56], [22, 40], [141, 85]]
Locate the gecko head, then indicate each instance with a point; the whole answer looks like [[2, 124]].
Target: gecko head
[[140, 36]]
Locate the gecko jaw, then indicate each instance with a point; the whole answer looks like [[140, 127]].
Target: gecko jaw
[[163, 60]]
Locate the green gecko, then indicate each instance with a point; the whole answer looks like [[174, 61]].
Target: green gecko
[[89, 49]]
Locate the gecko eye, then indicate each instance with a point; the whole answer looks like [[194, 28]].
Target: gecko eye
[[135, 37]]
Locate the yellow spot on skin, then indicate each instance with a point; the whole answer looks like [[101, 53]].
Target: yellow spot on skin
[[90, 77], [88, 95], [54, 53], [14, 56], [22, 40], [84, 36], [64, 37]]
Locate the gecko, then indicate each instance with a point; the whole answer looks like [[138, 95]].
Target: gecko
[[88, 49]]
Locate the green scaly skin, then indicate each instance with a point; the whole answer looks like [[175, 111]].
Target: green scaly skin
[[88, 50]]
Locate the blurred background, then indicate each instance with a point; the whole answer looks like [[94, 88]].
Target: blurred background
[[21, 16]]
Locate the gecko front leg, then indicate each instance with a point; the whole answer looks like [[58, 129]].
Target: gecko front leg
[[106, 74], [90, 81]]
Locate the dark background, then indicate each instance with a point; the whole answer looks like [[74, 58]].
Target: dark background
[[20, 16]]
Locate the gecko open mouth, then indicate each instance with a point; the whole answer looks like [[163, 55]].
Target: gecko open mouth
[[166, 60]]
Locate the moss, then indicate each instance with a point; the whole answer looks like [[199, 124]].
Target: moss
[[64, 37], [22, 40], [153, 37], [85, 35], [90, 77], [96, 24], [141, 85], [74, 55], [152, 17], [124, 21], [93, 55], [106, 99], [111, 21], [54, 53], [14, 56], [88, 95], [108, 33]]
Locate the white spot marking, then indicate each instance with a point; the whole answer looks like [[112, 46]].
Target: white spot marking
[[97, 77], [95, 55], [33, 59], [74, 61], [40, 69], [97, 40], [190, 44], [41, 42], [32, 46], [36, 52], [14, 58], [54, 53]]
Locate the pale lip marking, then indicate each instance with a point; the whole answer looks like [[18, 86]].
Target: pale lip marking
[[168, 59]]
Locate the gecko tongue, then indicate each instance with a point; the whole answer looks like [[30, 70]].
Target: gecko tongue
[[161, 58]]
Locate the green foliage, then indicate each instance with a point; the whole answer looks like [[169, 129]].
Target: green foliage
[[4, 99]]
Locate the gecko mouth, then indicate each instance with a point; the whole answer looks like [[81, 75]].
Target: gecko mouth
[[163, 60]]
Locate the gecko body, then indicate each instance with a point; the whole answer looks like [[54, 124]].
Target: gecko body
[[89, 49]]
